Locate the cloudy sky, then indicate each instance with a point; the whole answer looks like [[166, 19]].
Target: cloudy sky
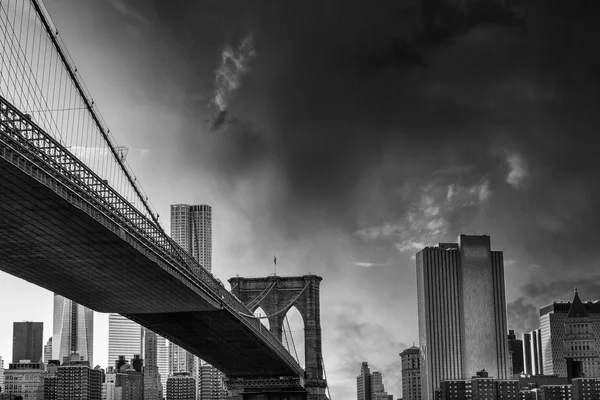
[[316, 138]]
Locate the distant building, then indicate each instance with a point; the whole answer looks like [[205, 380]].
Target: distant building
[[181, 386], [74, 379], [554, 324], [411, 374], [49, 380], [455, 389], [72, 331], [369, 386], [48, 351], [515, 349], [211, 386], [162, 361], [508, 389], [483, 387], [558, 392], [124, 338], [130, 379], [462, 312], [363, 383], [1, 375], [27, 341], [23, 379], [152, 384]]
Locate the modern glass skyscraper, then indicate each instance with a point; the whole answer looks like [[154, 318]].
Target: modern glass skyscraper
[[73, 330], [162, 360], [124, 338], [462, 312], [191, 228], [28, 341]]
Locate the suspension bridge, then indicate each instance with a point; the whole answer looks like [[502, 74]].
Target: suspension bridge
[[75, 220]]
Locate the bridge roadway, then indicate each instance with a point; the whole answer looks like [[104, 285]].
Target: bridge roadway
[[56, 235]]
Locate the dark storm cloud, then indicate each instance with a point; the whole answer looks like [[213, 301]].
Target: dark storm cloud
[[522, 316]]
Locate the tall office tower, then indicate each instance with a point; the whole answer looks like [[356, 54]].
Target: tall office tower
[[581, 346], [180, 360], [411, 374], [152, 383], [532, 353], [124, 338], [1, 375], [191, 228], [363, 383], [162, 355], [28, 341], [377, 388], [515, 348], [48, 351], [73, 330], [462, 312]]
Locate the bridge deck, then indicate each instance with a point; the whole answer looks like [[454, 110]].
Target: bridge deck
[[48, 241]]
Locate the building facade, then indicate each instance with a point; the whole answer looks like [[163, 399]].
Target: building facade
[[411, 374], [462, 312], [77, 380], [72, 331], [48, 351], [28, 341], [181, 386], [516, 352], [554, 325], [1, 375], [23, 379], [162, 360], [363, 382], [585, 388], [152, 383], [191, 228], [124, 338]]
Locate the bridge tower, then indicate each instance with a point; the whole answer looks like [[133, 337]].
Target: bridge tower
[[276, 295]]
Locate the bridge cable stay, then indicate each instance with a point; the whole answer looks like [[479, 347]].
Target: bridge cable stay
[[281, 310], [38, 75], [325, 376], [261, 295], [295, 353]]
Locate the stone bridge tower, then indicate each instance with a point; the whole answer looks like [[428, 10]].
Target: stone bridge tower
[[276, 295]]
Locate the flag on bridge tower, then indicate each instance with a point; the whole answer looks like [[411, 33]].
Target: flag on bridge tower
[[274, 265]]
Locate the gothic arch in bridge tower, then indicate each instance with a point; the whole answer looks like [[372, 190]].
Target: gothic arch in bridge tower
[[276, 295]]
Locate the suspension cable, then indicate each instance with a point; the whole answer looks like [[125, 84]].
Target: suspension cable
[[292, 338], [261, 295], [280, 311]]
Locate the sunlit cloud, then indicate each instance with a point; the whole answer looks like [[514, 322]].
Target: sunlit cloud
[[517, 170], [235, 63]]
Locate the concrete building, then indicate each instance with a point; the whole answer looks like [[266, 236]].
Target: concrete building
[[23, 379], [462, 312], [75, 379], [508, 390], [109, 389], [152, 384], [124, 338], [48, 351], [411, 374], [1, 375], [484, 387], [130, 380], [28, 341], [515, 350], [210, 385], [454, 389], [181, 386], [49, 380], [162, 361], [555, 392], [363, 383], [72, 330], [585, 388], [553, 333]]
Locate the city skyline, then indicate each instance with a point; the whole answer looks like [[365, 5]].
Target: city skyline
[[343, 150]]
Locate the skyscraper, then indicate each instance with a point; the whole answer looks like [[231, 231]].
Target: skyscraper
[[462, 312], [411, 374], [48, 351], [28, 341], [73, 330], [515, 348], [162, 355], [191, 228], [363, 383], [124, 338]]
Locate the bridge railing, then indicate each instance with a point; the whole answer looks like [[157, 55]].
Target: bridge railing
[[20, 134]]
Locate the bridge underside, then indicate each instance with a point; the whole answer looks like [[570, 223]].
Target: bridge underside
[[47, 241]]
